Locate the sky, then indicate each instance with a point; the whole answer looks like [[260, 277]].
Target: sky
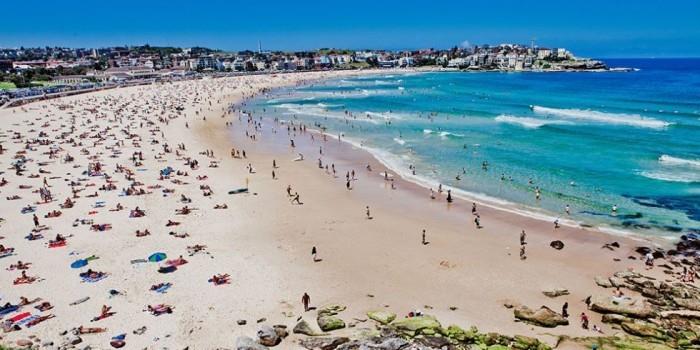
[[589, 28]]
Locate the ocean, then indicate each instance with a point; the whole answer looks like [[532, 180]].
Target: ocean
[[587, 140]]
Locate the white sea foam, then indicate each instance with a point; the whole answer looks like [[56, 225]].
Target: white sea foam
[[675, 161], [673, 176], [602, 117], [314, 110], [443, 134], [399, 141], [530, 123]]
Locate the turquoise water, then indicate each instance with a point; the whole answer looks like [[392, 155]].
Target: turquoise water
[[587, 140]]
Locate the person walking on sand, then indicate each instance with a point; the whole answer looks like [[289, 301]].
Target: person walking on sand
[[423, 240], [523, 237], [306, 299], [565, 310], [274, 177], [522, 252], [36, 220], [314, 253], [369, 216], [477, 221]]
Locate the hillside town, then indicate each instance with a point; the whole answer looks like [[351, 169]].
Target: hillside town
[[27, 72]]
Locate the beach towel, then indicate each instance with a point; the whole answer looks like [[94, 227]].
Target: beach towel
[[27, 320], [80, 301], [57, 244], [7, 252], [93, 280], [9, 309], [164, 288], [19, 317], [239, 190]]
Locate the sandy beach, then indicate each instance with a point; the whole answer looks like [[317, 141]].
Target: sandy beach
[[129, 170]]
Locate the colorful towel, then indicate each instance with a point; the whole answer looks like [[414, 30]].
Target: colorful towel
[[93, 280]]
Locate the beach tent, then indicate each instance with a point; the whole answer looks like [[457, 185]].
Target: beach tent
[[156, 257]]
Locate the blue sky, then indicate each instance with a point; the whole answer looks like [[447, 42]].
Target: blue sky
[[592, 28]]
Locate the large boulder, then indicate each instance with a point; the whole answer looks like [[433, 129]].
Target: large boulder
[[325, 343], [247, 343], [457, 333], [303, 327], [543, 316], [602, 281], [632, 307], [382, 316], [331, 310], [268, 336], [330, 323]]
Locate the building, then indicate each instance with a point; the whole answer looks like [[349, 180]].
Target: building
[[69, 79]]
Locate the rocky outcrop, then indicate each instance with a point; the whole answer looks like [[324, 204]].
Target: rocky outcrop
[[271, 336], [543, 316], [382, 316], [632, 307], [324, 343], [555, 292]]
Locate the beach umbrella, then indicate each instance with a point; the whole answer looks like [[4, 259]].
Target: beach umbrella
[[79, 263], [156, 257]]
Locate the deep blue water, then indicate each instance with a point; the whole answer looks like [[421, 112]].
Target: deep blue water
[[587, 140]]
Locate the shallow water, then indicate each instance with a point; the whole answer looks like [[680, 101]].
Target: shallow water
[[589, 140]]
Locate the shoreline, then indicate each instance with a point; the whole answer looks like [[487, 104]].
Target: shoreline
[[664, 241]]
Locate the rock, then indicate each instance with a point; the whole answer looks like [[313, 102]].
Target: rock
[[553, 293], [558, 245], [457, 333], [644, 329], [325, 343], [434, 342], [382, 316], [602, 282], [241, 322], [247, 343], [281, 330], [617, 282], [74, 339], [24, 343], [544, 316], [632, 307], [330, 323], [268, 336], [414, 325], [388, 344], [525, 343], [615, 318], [331, 310], [687, 303], [303, 327]]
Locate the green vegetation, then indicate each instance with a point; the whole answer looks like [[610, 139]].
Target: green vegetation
[[6, 85]]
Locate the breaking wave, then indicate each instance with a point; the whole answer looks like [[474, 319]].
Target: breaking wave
[[602, 117]]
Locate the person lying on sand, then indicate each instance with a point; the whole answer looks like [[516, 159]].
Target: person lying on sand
[[159, 309], [220, 279], [144, 233], [19, 266], [92, 274], [221, 206], [44, 306], [172, 223], [24, 279], [90, 330]]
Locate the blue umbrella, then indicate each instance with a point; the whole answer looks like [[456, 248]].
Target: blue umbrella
[[156, 257], [79, 263]]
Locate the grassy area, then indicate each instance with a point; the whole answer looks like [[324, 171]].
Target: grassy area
[[6, 85], [41, 83]]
